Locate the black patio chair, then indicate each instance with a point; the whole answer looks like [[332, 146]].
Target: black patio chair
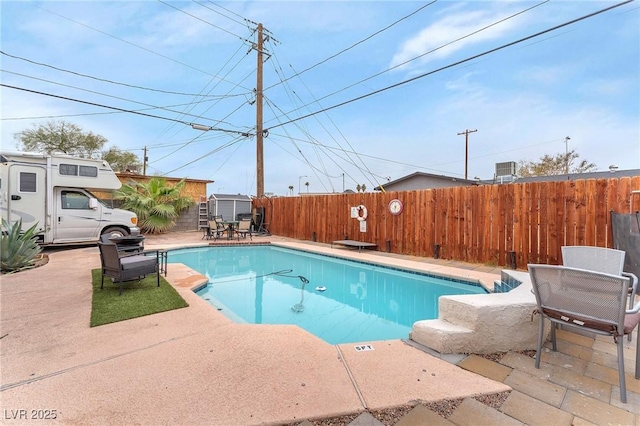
[[121, 268]]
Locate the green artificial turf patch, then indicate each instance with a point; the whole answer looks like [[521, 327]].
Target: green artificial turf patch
[[139, 298]]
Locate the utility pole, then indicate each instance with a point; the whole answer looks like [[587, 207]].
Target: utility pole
[[259, 136], [566, 156], [144, 162], [466, 149]]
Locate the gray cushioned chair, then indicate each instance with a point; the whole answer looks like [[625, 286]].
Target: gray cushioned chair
[[121, 268]]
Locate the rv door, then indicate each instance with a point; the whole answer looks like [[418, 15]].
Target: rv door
[[26, 193], [76, 218]]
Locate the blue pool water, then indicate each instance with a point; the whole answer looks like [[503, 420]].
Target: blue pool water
[[362, 302]]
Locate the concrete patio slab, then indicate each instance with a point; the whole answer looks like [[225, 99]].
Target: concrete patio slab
[[394, 373], [191, 365]]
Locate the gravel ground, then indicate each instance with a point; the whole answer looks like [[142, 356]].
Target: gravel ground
[[390, 416]]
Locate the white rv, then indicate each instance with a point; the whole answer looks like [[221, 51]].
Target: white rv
[[53, 191]]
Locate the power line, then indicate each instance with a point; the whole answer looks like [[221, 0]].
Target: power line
[[114, 82], [135, 45], [223, 15], [355, 44], [206, 22], [102, 94], [426, 53], [470, 58], [115, 108]]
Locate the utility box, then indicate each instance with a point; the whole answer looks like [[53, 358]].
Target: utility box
[[229, 206]]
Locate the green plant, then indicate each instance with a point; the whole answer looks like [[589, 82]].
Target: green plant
[[157, 204], [19, 249]]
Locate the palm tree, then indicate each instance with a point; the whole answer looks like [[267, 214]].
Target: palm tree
[[290, 189], [157, 204], [307, 185]]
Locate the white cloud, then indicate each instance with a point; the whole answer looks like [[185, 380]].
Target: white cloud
[[447, 30]]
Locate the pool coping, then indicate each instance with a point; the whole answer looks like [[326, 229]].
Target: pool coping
[[473, 277]]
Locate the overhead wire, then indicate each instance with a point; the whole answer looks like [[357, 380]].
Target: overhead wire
[[355, 44], [462, 61], [112, 107], [428, 52], [96, 93], [293, 99], [204, 21], [222, 14], [134, 86], [132, 44], [368, 172], [228, 144]]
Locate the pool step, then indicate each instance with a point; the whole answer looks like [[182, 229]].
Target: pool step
[[442, 336], [482, 323]]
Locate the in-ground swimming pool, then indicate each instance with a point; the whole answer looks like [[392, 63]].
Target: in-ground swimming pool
[[338, 300]]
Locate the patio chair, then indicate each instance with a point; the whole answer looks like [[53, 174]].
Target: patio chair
[[600, 259], [588, 300], [121, 268], [244, 229], [217, 228]]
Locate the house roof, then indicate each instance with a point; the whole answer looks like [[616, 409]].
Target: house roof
[[170, 179], [579, 176], [428, 175], [230, 197]]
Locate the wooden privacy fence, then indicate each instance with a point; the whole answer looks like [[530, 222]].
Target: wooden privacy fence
[[507, 225]]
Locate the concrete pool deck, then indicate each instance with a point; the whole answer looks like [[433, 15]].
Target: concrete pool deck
[[194, 366]]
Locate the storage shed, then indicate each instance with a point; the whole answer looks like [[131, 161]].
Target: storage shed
[[229, 206]]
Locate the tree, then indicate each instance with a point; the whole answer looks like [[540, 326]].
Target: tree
[[307, 185], [555, 165], [290, 189], [60, 136], [157, 204], [120, 160]]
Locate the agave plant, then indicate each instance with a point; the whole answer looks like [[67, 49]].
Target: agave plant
[[18, 250]]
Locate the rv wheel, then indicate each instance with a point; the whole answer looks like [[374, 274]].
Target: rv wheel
[[115, 232]]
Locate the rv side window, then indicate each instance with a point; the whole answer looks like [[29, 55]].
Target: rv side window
[[75, 170], [74, 200], [68, 169], [88, 171], [28, 182]]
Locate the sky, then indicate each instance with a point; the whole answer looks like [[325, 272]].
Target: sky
[[354, 92]]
